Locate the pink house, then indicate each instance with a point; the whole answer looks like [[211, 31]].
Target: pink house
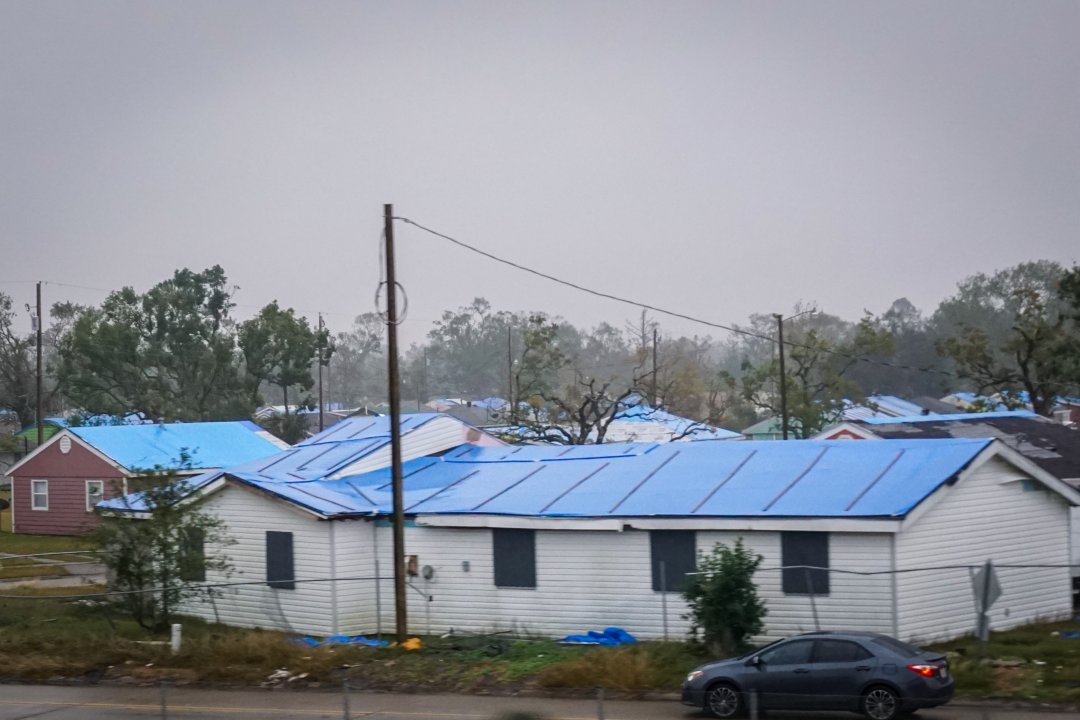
[[55, 488]]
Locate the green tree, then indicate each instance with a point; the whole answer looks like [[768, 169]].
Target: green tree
[[17, 373], [820, 354], [169, 353], [279, 349], [160, 558], [1014, 333], [724, 607]]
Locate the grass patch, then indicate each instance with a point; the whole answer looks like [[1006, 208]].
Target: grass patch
[[5, 515], [44, 636], [20, 544], [1033, 662], [21, 568]]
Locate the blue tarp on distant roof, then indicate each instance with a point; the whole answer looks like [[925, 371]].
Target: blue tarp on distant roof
[[947, 418], [207, 444], [761, 479]]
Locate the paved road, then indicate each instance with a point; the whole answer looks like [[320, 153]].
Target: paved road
[[22, 702]]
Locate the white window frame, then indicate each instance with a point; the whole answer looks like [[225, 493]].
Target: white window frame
[[34, 495], [100, 495]]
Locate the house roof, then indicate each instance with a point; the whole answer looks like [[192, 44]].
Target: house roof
[[207, 444], [324, 455], [1050, 445], [838, 479], [673, 425]]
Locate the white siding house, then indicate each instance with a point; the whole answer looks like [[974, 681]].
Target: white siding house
[[583, 556]]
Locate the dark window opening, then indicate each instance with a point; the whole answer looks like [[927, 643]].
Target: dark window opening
[[674, 554], [279, 560], [193, 555], [515, 557], [805, 557]]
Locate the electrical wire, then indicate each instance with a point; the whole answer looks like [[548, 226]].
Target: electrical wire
[[673, 313]]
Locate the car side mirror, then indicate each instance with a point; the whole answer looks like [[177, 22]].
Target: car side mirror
[[755, 661]]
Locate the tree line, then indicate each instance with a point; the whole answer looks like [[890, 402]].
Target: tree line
[[176, 352]]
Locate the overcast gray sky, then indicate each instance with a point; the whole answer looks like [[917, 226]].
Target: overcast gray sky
[[717, 158]]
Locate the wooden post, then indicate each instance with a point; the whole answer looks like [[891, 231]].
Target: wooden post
[[400, 607]]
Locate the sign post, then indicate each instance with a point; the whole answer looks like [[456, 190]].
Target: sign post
[[987, 590]]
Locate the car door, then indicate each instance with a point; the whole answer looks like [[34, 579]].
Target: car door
[[782, 676], [840, 669]]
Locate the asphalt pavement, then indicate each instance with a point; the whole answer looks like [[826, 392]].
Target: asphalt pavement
[[22, 702]]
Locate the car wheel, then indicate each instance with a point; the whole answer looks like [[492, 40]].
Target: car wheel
[[723, 701], [880, 703]]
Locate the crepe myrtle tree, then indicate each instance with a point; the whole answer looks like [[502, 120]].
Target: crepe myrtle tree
[[725, 609], [157, 554]]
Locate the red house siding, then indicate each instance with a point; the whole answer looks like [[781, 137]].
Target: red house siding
[[67, 475]]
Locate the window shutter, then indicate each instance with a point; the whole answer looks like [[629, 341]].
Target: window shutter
[[279, 560]]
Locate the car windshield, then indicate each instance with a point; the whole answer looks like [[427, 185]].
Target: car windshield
[[896, 646]]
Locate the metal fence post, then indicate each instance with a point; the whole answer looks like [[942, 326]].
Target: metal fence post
[[752, 702], [164, 699], [663, 595], [346, 711], [813, 604], [599, 702]]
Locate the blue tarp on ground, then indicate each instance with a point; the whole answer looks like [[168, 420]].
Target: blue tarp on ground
[[343, 640], [609, 636]]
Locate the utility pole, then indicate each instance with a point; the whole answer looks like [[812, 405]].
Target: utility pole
[[40, 405], [652, 402], [783, 378], [400, 609], [510, 376], [322, 353]]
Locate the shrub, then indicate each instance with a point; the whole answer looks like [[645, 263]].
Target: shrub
[[724, 605]]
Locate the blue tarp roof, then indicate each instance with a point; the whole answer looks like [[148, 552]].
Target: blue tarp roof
[[207, 444], [762, 479], [313, 459], [945, 418]]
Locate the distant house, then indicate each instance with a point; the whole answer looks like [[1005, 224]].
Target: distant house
[[55, 488], [549, 540]]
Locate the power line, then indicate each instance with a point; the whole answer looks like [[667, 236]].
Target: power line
[[673, 313]]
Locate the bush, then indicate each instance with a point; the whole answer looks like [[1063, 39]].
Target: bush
[[724, 605]]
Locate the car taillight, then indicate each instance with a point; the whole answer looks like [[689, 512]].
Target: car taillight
[[924, 670]]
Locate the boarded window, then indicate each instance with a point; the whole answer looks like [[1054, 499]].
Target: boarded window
[[279, 560], [193, 555], [95, 490], [674, 554], [801, 554], [39, 494], [515, 557]]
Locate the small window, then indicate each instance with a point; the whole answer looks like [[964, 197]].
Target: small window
[[796, 652], [805, 557], [839, 651], [279, 560], [193, 555], [674, 554], [39, 494], [95, 490], [514, 554]]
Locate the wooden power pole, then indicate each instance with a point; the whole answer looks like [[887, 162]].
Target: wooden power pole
[[40, 404], [322, 353], [400, 606], [783, 377]]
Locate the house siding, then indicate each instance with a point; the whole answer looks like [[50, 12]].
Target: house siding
[[67, 475], [594, 579], [306, 609], [987, 515]]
